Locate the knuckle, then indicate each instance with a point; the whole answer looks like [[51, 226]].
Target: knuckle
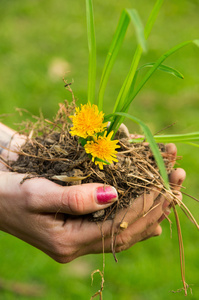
[[151, 231], [29, 197], [61, 252], [62, 259], [122, 241], [74, 201], [152, 219], [145, 234], [121, 248]]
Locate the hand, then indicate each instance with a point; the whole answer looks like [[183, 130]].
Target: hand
[[145, 215], [48, 216], [10, 141]]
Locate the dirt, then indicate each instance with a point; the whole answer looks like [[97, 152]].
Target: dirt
[[51, 152]]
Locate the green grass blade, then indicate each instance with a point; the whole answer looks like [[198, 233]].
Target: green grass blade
[[112, 54], [139, 28], [126, 16], [174, 138], [92, 51], [178, 138], [193, 144], [118, 120], [152, 18], [124, 92], [152, 143], [196, 42], [153, 69], [164, 68]]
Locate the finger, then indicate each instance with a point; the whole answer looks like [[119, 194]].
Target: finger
[[47, 196], [97, 230], [42, 195], [92, 241], [176, 178], [155, 230], [122, 132], [172, 152], [139, 206], [142, 228]]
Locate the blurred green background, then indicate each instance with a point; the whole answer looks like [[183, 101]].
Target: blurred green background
[[42, 41]]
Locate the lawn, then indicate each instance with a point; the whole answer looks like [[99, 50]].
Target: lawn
[[42, 41]]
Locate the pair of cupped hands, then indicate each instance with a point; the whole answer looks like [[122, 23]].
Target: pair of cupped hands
[[49, 216]]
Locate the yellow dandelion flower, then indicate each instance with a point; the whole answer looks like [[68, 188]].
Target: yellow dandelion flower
[[103, 148], [87, 121]]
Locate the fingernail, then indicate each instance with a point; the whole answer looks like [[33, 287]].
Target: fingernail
[[167, 211], [106, 194]]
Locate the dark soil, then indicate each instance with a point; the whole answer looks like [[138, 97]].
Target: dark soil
[[51, 152]]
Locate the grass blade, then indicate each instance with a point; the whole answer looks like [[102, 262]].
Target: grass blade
[[153, 69], [174, 138], [124, 92], [153, 146], [126, 16], [164, 68], [112, 54], [92, 51], [152, 18], [181, 249], [139, 28], [118, 120]]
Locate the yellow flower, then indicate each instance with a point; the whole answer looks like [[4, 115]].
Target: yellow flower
[[103, 148], [87, 121]]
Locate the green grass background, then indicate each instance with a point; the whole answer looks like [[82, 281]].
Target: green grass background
[[40, 41]]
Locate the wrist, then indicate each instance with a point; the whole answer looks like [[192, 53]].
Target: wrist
[[10, 142], [2, 200]]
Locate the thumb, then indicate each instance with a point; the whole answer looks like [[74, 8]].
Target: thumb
[[87, 198], [46, 196]]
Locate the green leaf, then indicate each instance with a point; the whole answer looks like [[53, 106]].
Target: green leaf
[[118, 120], [139, 28], [188, 138], [112, 54], [127, 85], [103, 161], [193, 144], [152, 18], [126, 16], [153, 69], [196, 42], [153, 146], [164, 68], [92, 51], [82, 141], [178, 138]]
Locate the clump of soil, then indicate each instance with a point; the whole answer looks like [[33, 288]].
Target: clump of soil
[[51, 152]]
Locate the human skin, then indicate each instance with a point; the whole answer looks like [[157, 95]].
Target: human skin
[[51, 218]]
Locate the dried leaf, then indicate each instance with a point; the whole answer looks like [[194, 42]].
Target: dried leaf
[[66, 178]]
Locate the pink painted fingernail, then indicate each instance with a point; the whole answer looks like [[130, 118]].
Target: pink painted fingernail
[[106, 194]]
